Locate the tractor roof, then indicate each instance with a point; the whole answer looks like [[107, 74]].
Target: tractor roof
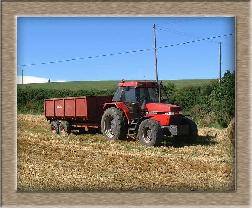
[[137, 84]]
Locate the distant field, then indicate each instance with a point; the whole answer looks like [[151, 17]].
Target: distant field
[[77, 85], [190, 82]]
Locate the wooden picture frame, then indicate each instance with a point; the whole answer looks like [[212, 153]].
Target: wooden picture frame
[[11, 9]]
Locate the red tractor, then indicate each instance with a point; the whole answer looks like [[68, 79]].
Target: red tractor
[[134, 110]]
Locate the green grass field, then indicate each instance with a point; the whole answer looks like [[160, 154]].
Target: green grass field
[[102, 85]]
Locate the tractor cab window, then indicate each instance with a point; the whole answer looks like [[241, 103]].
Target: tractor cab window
[[148, 95], [125, 94], [117, 95], [153, 94], [129, 95]]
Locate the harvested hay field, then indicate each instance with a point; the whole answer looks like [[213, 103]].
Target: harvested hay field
[[88, 162]]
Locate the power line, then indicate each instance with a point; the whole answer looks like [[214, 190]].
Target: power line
[[185, 34], [196, 40], [125, 52], [88, 57]]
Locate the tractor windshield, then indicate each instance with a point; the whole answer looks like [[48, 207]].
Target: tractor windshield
[[125, 94], [118, 94]]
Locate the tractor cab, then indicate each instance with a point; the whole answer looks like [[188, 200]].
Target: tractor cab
[[135, 95], [137, 92]]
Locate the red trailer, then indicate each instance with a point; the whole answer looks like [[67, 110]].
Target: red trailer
[[65, 114]]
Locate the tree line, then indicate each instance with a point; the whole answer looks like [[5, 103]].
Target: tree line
[[209, 105]]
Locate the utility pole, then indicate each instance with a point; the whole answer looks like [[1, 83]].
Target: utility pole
[[155, 54], [22, 76], [220, 62]]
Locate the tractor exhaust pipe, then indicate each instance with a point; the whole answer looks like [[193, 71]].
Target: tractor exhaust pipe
[[156, 68]]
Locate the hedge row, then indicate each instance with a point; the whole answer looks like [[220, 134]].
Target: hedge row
[[209, 105], [31, 100]]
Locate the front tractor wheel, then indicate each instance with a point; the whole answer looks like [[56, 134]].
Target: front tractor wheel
[[113, 124], [149, 133]]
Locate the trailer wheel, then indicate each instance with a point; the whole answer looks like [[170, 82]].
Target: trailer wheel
[[55, 127], [113, 124], [149, 133], [64, 128]]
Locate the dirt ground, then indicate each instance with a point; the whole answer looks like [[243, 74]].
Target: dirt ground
[[88, 162]]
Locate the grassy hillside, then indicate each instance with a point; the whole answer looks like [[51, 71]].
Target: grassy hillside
[[102, 85], [189, 82], [75, 85]]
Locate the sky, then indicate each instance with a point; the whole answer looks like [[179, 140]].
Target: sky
[[95, 44]]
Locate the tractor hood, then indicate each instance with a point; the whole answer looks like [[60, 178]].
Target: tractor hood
[[162, 107]]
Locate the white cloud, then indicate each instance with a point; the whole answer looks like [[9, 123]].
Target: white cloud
[[33, 79], [58, 81]]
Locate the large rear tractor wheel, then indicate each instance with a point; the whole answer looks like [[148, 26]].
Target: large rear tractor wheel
[[55, 127], [149, 133], [64, 128], [113, 124]]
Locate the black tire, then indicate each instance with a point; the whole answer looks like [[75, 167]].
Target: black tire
[[193, 131], [55, 127], [150, 133], [64, 128], [113, 124], [82, 131]]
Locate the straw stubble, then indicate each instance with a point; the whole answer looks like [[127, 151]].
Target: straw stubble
[[88, 162]]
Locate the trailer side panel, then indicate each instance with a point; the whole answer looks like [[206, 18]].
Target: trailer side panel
[[49, 108], [79, 109], [59, 108], [70, 107]]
